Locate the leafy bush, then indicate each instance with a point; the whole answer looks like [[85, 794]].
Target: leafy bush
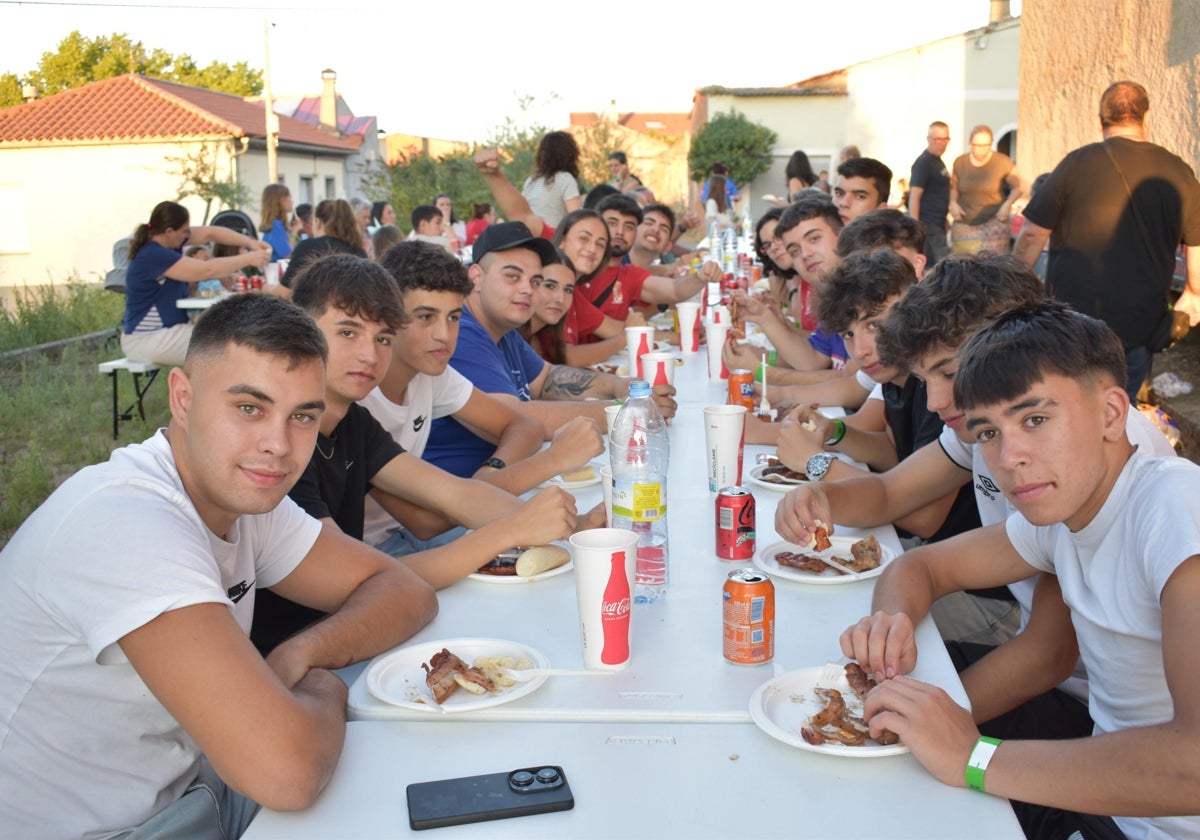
[[741, 145]]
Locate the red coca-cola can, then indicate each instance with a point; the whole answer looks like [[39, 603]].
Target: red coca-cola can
[[256, 282], [748, 611], [240, 283], [735, 524], [741, 389]]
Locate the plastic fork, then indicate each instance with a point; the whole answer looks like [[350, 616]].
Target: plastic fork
[[764, 405], [527, 674]]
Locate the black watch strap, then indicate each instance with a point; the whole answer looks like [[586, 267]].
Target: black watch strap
[[495, 463]]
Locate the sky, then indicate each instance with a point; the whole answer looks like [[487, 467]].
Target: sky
[[456, 70]]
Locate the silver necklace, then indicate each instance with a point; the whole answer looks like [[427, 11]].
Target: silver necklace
[[331, 448]]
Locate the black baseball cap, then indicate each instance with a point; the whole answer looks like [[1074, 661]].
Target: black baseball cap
[[508, 235]]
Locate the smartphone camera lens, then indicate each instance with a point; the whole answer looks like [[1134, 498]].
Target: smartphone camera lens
[[547, 775], [523, 778]]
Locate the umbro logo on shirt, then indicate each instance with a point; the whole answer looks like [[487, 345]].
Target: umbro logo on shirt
[[418, 422], [987, 487]]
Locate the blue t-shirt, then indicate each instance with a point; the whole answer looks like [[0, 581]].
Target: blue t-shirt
[[831, 344], [504, 367], [277, 238], [149, 297]]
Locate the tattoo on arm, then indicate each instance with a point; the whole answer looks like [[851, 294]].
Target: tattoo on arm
[[564, 382]]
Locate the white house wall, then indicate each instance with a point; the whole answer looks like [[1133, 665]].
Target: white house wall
[[75, 201], [962, 80], [292, 167]]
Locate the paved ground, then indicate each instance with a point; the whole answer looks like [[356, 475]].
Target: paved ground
[[1184, 360]]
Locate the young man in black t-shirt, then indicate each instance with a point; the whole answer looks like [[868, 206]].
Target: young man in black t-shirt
[[357, 306]]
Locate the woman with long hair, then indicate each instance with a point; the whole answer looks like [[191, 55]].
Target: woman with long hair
[[553, 188], [381, 214], [456, 230], [482, 215], [582, 238], [799, 174], [154, 329], [335, 229], [276, 223]]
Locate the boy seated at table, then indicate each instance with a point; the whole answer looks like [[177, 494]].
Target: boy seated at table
[[130, 698], [895, 421], [357, 306], [1042, 390], [420, 386]]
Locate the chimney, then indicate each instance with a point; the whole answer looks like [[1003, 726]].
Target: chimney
[[29, 93], [999, 11], [328, 116]]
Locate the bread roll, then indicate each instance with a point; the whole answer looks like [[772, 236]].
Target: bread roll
[[542, 558]]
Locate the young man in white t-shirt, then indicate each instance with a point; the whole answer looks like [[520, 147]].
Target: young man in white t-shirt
[[130, 695], [1042, 389], [420, 386]]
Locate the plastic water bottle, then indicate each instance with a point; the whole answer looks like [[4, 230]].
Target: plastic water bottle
[[640, 452]]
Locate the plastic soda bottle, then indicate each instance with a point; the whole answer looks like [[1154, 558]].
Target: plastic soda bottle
[[640, 452]]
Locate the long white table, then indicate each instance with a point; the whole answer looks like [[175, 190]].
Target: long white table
[[669, 742]]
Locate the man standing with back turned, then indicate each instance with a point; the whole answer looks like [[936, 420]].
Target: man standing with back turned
[[1115, 212]]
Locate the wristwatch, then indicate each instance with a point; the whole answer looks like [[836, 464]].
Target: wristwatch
[[493, 462], [818, 465]]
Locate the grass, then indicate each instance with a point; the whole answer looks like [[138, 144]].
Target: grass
[[57, 413]]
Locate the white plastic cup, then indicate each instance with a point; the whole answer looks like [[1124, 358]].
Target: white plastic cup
[[606, 488], [638, 340], [271, 274], [715, 335], [720, 315], [605, 561], [689, 335], [283, 267], [658, 368], [724, 444], [610, 417]]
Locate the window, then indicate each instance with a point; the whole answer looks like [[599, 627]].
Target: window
[[306, 189], [330, 187]]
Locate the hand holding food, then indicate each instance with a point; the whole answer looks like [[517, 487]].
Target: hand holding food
[[799, 512], [797, 441], [939, 732], [883, 643]]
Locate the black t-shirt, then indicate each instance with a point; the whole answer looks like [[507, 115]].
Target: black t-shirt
[[335, 485], [1101, 262], [931, 175], [913, 426]]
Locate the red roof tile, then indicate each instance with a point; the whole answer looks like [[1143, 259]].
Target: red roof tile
[[134, 107], [644, 122]]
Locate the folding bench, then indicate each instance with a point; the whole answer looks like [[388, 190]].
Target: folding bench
[[137, 370]]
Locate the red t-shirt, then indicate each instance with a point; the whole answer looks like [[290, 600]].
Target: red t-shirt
[[581, 321], [626, 282]]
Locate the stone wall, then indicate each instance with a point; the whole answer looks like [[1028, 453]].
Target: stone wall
[[1070, 52]]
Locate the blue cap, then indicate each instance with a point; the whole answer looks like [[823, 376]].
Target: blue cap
[[639, 388]]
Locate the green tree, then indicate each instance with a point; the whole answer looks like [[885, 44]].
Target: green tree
[[415, 178], [730, 138], [203, 176], [79, 60], [10, 90]]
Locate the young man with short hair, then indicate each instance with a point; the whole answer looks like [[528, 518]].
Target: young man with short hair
[[429, 225], [493, 355], [895, 422], [131, 698], [885, 228], [929, 191], [863, 184], [618, 287], [356, 304], [1043, 392], [421, 387]]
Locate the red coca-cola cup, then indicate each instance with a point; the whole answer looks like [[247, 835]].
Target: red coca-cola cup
[[605, 561]]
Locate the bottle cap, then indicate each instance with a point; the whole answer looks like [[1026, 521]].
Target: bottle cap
[[639, 388]]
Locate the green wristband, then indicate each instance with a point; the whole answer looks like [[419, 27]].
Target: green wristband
[[839, 433], [977, 764], [771, 357]]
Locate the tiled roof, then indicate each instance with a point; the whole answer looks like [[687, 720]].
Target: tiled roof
[[644, 122], [133, 107]]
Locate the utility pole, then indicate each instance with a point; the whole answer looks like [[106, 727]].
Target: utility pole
[[269, 106]]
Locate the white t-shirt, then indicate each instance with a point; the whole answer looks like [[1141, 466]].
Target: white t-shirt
[[426, 399], [549, 199], [869, 384], [85, 748], [994, 507], [1112, 574]]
